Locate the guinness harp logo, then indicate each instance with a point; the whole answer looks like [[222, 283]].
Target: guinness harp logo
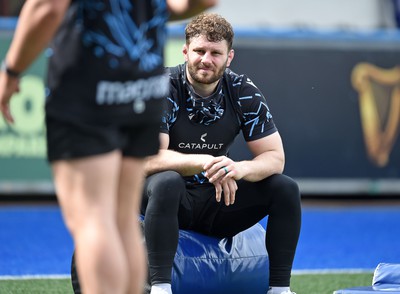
[[379, 100]]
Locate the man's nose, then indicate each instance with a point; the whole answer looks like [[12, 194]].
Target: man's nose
[[206, 58]]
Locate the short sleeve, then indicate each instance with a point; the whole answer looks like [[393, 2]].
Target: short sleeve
[[171, 110], [257, 118]]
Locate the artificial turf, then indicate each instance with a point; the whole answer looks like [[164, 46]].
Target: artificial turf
[[301, 284]]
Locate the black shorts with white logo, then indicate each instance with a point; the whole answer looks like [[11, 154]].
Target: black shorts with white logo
[[135, 135]]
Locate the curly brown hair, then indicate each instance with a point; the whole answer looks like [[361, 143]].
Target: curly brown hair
[[211, 25]]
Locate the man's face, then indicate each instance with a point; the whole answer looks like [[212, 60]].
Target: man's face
[[206, 60]]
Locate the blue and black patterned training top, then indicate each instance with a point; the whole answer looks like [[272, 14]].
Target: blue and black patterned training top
[[209, 125], [110, 51]]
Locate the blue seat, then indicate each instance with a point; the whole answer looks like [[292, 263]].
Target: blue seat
[[212, 265]]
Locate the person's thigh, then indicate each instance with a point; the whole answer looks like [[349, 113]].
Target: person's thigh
[[165, 195], [251, 205], [87, 188], [254, 201], [130, 187]]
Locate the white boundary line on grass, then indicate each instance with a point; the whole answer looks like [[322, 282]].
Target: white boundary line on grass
[[294, 272], [34, 277], [332, 271]]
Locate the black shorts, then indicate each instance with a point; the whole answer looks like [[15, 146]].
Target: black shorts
[[200, 208], [76, 138]]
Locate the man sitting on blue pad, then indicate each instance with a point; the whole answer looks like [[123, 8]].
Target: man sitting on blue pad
[[192, 184]]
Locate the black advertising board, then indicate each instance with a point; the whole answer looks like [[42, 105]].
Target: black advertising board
[[337, 107]]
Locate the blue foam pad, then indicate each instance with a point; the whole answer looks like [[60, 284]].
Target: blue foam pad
[[388, 275], [210, 265], [386, 280], [364, 290], [367, 290]]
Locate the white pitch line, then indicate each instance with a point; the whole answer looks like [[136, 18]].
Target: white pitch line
[[34, 277], [332, 271]]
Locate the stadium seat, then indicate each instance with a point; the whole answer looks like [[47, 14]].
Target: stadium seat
[[386, 280]]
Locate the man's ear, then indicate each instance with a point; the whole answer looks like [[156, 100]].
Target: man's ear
[[185, 51], [231, 54]]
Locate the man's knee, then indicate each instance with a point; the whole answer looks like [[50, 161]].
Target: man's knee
[[285, 189], [164, 190]]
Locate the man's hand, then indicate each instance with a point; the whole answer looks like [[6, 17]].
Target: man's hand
[[222, 172], [8, 86], [229, 187], [221, 167]]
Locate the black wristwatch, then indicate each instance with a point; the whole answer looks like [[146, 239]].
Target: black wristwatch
[[8, 71]]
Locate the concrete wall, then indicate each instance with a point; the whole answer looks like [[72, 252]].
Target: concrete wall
[[313, 14]]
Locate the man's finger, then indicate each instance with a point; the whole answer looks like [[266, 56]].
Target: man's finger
[[227, 193], [5, 110], [218, 192], [233, 189]]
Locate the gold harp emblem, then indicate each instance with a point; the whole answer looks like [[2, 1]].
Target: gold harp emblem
[[379, 102]]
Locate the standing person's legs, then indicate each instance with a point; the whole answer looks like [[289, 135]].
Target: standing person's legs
[[87, 192], [130, 192]]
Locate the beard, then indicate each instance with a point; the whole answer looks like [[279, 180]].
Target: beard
[[208, 78]]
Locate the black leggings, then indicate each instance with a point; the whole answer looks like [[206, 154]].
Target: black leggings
[[169, 205]]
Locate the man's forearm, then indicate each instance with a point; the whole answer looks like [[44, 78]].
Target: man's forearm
[[184, 164], [38, 21], [193, 7], [262, 166]]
